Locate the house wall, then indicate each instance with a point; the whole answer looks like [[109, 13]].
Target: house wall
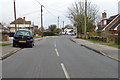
[[68, 30], [20, 26], [1, 30], [118, 29]]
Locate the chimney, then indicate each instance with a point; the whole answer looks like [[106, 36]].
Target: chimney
[[24, 20], [104, 15]]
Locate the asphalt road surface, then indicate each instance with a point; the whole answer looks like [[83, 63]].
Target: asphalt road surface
[[58, 57]]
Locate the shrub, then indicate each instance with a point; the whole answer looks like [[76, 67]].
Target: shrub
[[98, 38], [48, 34]]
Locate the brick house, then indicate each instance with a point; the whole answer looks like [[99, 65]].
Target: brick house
[[105, 21], [111, 30], [21, 23]]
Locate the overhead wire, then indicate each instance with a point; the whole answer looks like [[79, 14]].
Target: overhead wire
[[33, 12], [46, 8]]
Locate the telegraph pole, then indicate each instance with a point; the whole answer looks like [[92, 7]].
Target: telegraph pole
[[42, 20], [58, 21], [15, 16], [63, 24], [85, 18]]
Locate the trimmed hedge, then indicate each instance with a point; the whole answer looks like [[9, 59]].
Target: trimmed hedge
[[99, 38], [48, 34]]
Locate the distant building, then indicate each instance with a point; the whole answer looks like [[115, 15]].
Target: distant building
[[35, 27], [21, 23], [3, 29], [3, 33], [68, 29], [119, 7]]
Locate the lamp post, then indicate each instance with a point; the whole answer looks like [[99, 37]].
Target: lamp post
[[15, 16], [85, 18]]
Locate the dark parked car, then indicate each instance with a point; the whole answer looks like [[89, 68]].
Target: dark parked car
[[23, 38]]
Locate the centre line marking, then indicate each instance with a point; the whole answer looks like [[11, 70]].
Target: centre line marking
[[65, 72], [55, 45], [57, 52]]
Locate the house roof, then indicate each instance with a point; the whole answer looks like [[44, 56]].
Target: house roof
[[36, 26], [68, 27], [114, 25], [21, 21], [4, 28], [113, 19]]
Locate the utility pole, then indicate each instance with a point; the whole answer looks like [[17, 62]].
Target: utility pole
[[42, 20], [15, 16], [58, 21], [63, 24], [85, 18]]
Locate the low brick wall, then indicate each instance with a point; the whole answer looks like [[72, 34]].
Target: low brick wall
[[4, 37]]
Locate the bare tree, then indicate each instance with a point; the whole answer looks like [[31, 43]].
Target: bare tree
[[77, 15]]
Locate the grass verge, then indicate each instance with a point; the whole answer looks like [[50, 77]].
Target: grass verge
[[6, 44], [39, 36], [103, 43], [113, 45]]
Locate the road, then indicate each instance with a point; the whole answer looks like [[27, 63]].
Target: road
[[58, 57]]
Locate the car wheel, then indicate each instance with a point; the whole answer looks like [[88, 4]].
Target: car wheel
[[14, 45], [31, 45]]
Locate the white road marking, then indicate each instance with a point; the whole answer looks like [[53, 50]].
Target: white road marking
[[65, 72], [57, 52], [55, 45]]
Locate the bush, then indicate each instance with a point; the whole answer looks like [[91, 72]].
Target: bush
[[11, 34], [56, 34], [98, 38], [48, 34]]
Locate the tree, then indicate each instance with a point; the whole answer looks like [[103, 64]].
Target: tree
[[52, 27], [36, 31], [57, 30], [77, 15], [41, 29]]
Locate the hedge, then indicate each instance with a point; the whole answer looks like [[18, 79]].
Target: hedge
[[48, 34], [98, 38]]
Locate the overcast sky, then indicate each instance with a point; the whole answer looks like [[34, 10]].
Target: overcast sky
[[53, 8]]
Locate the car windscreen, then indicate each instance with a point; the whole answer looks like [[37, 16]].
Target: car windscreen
[[23, 33]]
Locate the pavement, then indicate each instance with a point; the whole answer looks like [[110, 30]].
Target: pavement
[[7, 51], [59, 57], [108, 51], [5, 42]]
